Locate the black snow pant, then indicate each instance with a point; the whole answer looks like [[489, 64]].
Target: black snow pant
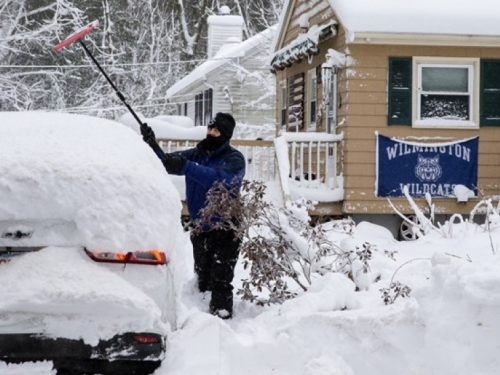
[[215, 256]]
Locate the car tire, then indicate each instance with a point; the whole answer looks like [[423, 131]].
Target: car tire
[[187, 223], [406, 232]]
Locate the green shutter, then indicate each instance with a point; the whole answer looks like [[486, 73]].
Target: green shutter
[[490, 93], [400, 81]]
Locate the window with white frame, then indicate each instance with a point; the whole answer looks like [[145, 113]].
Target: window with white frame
[[198, 110], [208, 104], [283, 104], [311, 96], [203, 108], [447, 91]]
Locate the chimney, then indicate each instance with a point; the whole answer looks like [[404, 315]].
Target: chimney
[[221, 28]]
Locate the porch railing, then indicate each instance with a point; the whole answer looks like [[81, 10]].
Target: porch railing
[[308, 160], [303, 160], [260, 156]]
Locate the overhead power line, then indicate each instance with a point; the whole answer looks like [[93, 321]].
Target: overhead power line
[[97, 109], [69, 66]]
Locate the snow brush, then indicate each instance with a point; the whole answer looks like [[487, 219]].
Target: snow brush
[[77, 36]]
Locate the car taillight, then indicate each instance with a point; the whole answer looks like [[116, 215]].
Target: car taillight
[[151, 257], [144, 338]]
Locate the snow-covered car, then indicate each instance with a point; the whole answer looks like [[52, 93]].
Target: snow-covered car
[[89, 220]]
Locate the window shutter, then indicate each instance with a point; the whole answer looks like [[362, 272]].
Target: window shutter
[[400, 82], [296, 102], [490, 93]]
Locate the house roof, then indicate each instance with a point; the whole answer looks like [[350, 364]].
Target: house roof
[[460, 20], [447, 17], [227, 53]]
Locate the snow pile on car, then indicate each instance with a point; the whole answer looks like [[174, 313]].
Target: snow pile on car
[[93, 173], [47, 294]]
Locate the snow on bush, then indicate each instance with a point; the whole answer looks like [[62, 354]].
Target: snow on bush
[[282, 251], [457, 226]]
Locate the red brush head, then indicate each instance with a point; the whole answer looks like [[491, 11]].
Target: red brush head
[[77, 35]]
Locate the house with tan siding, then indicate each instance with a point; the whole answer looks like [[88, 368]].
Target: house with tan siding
[[412, 87]]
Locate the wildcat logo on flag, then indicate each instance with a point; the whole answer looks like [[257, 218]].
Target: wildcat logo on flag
[[425, 168]]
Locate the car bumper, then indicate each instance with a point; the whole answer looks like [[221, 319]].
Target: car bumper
[[35, 347]]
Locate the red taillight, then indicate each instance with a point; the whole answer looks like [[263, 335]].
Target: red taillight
[[144, 338], [151, 257]]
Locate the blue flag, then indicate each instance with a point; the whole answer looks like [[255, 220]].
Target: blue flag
[[433, 169]]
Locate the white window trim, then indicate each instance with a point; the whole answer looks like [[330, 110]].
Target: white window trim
[[474, 63], [311, 74]]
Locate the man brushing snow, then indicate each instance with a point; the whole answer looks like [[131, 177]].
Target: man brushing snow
[[212, 161]]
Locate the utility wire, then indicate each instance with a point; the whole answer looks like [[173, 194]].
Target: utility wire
[[97, 109], [112, 65]]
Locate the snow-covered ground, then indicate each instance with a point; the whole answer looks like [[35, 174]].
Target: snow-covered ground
[[448, 325]]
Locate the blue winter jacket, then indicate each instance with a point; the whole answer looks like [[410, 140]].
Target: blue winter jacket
[[204, 169]]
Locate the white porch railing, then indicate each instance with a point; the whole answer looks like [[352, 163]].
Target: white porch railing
[[260, 156], [310, 161], [297, 160]]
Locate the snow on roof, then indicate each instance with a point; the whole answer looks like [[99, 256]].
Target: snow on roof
[[303, 45], [93, 173], [225, 20], [441, 17], [280, 25], [454, 17], [224, 55]]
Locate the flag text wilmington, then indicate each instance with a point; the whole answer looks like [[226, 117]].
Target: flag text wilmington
[[401, 149]]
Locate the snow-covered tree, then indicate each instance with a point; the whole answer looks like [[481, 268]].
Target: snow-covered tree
[[143, 45], [139, 54], [27, 32]]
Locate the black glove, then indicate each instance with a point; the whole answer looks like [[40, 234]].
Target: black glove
[[149, 137], [174, 162], [148, 134]]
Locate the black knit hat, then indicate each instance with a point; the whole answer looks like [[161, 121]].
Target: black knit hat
[[225, 123]]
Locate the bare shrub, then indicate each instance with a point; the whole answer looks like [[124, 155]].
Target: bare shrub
[[280, 248]]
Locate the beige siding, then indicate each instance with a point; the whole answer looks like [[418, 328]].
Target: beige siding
[[317, 11], [362, 96], [365, 107]]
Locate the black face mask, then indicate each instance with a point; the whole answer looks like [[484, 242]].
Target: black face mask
[[213, 143]]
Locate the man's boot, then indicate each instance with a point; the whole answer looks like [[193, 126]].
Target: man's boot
[[221, 304]]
